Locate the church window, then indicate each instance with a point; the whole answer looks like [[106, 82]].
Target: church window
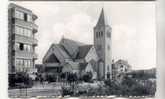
[[108, 34], [101, 33], [108, 68], [96, 35]]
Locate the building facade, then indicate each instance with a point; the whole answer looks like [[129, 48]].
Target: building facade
[[21, 39], [102, 44], [119, 69], [70, 56]]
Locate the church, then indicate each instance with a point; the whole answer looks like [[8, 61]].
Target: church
[[69, 56]]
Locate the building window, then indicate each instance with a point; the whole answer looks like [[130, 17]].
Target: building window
[[19, 14], [108, 68], [16, 46], [25, 63], [113, 66], [97, 35], [29, 18], [23, 31], [101, 34], [13, 20], [17, 30], [21, 62], [25, 17], [21, 46], [27, 47], [29, 63]]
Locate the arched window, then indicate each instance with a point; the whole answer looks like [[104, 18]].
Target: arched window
[[101, 33]]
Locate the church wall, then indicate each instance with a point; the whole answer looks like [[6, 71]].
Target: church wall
[[108, 67], [92, 55]]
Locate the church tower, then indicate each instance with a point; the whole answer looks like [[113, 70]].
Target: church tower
[[102, 44]]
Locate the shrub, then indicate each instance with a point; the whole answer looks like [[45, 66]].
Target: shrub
[[87, 77], [15, 80]]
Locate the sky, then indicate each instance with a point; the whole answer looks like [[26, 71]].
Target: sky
[[133, 27]]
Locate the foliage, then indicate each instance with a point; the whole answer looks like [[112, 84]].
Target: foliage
[[143, 74], [20, 80], [131, 87], [67, 91], [87, 77], [72, 77], [51, 78]]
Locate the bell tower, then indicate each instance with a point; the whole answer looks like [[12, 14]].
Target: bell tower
[[102, 44]]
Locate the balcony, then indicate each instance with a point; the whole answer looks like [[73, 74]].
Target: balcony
[[35, 28], [23, 23], [34, 16], [24, 54], [24, 39], [29, 25]]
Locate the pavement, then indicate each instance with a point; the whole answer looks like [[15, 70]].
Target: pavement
[[54, 90], [37, 90]]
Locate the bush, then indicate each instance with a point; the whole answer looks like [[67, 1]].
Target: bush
[[87, 77], [67, 91], [72, 77], [51, 78], [19, 79], [130, 87]]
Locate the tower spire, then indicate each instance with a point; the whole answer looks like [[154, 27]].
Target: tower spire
[[102, 19]]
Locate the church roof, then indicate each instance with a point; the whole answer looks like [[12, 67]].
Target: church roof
[[83, 50], [102, 19], [83, 66], [62, 51], [67, 49], [71, 46]]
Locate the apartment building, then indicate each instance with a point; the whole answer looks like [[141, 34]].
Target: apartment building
[[21, 39]]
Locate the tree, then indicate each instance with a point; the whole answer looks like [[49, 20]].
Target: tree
[[72, 77], [87, 77]]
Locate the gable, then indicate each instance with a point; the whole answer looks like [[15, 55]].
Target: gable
[[52, 59], [58, 52]]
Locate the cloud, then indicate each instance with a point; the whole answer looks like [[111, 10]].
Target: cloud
[[75, 25]]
